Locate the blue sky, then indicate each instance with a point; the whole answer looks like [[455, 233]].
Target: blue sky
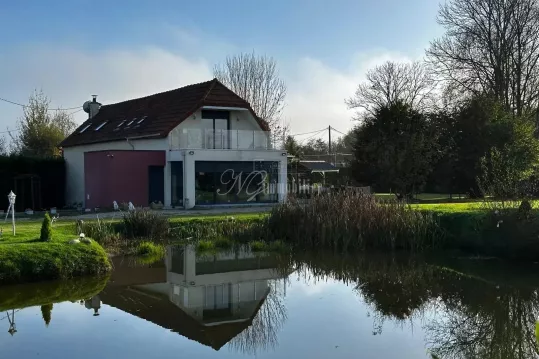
[[119, 50]]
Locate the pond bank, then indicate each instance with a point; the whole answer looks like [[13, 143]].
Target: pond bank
[[25, 258], [340, 223]]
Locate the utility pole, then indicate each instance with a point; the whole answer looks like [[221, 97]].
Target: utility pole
[[329, 130]]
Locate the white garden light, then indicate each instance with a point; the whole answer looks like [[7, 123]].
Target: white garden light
[[11, 198]]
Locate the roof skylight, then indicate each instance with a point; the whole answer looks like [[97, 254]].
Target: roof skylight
[[130, 122], [101, 125], [85, 128], [121, 123], [141, 120]]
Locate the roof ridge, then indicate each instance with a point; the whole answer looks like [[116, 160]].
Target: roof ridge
[[214, 81], [157, 93]]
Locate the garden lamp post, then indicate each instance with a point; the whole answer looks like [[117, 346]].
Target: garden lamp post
[[11, 197], [12, 328]]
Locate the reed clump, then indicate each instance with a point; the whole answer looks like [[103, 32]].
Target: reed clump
[[353, 221]]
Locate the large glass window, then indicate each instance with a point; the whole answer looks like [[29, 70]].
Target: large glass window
[[216, 125], [176, 180], [236, 182]]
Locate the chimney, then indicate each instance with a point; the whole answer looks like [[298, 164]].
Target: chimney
[[94, 106]]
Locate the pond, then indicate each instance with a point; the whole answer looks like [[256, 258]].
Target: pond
[[241, 304]]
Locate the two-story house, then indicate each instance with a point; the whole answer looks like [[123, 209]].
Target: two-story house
[[197, 145]]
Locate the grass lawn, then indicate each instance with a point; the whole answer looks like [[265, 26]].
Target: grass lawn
[[23, 258], [450, 207], [217, 217], [428, 197]]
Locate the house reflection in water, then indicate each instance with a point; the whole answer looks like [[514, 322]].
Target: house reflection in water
[[210, 299]]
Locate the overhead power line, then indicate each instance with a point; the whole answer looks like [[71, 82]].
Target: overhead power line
[[50, 109], [316, 134], [72, 113], [308, 133], [334, 129]]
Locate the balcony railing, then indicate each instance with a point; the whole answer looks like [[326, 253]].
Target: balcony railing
[[221, 139]]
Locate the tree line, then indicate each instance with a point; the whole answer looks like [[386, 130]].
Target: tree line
[[464, 120]]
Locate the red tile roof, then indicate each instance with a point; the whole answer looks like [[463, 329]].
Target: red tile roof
[[163, 111]]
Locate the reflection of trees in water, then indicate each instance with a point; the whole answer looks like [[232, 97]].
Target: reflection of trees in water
[[262, 333], [487, 322], [46, 310], [474, 318]]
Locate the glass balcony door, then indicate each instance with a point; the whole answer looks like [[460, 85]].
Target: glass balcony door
[[216, 126]]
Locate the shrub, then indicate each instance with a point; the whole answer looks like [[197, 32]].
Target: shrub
[[150, 249], [102, 232], [46, 229], [352, 221], [205, 245], [223, 243], [146, 224], [258, 246]]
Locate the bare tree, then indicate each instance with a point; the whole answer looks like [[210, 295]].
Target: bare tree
[[490, 46], [3, 147], [256, 79], [390, 82], [262, 334]]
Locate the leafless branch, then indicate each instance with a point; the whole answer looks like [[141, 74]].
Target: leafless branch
[[391, 82], [256, 79], [490, 46]]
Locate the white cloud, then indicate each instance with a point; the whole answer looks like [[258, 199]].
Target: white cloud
[[68, 76], [317, 91]]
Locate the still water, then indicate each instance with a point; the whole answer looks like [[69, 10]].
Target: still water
[[241, 304]]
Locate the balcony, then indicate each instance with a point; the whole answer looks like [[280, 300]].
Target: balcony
[[220, 139]]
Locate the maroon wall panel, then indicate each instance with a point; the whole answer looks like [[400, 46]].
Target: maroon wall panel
[[120, 176]]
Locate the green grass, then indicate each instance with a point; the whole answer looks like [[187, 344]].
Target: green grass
[[450, 207], [210, 217], [427, 197], [223, 243], [258, 246], [24, 258], [150, 249], [205, 245]]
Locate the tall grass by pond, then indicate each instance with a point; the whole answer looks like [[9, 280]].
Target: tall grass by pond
[[150, 249], [348, 221], [146, 224], [343, 222], [126, 235]]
